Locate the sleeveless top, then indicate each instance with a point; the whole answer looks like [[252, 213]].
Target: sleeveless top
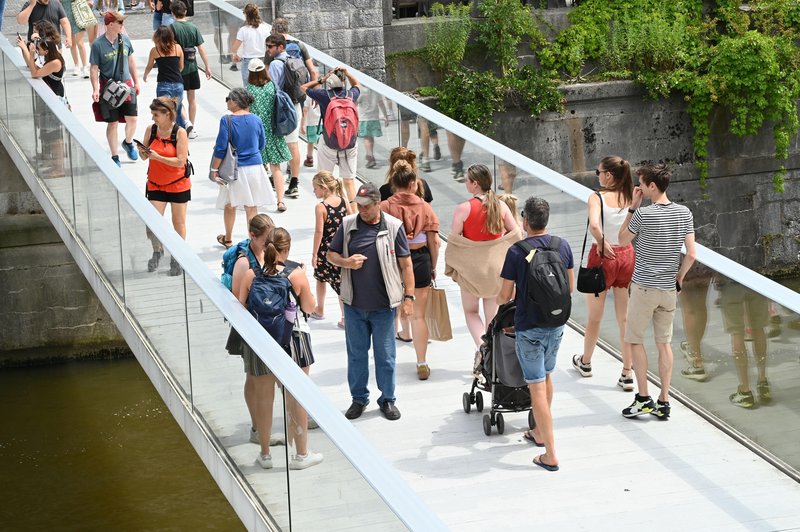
[[613, 218], [161, 176], [168, 71], [333, 220], [55, 81], [475, 224]]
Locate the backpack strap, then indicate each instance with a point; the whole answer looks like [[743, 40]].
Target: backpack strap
[[555, 243], [153, 130], [173, 136], [527, 247]]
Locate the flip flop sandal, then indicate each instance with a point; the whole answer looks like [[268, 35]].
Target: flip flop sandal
[[406, 340], [528, 435], [340, 325], [316, 316], [538, 461], [281, 207], [224, 243]]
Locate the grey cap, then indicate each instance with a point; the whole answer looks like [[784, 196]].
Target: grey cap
[[367, 194]]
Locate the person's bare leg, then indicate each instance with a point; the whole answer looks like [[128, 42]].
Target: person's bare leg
[[191, 97], [250, 398], [112, 138], [130, 128], [621, 310], [456, 146], [321, 288], [264, 401], [297, 424], [760, 352], [424, 137], [489, 310], [229, 217], [179, 218], [595, 306], [664, 368], [740, 361], [250, 212], [349, 188], [419, 329], [544, 419], [294, 164], [404, 133], [277, 178], [475, 325], [640, 368]]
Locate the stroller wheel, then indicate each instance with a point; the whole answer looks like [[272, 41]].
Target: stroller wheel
[[479, 401], [466, 402], [487, 425], [531, 421], [501, 424]]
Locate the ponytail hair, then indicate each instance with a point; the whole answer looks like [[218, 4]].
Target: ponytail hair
[[401, 153], [482, 176], [332, 184], [622, 183], [278, 241], [403, 175]]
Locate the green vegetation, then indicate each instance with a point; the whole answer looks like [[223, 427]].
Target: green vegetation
[[740, 57]]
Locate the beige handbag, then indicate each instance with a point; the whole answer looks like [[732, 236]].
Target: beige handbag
[[437, 315], [83, 15]]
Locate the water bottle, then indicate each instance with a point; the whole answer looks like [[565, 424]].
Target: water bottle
[[291, 311]]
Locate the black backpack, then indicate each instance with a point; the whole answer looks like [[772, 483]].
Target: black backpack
[[548, 283], [295, 73]]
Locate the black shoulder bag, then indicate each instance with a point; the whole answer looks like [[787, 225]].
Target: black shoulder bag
[[593, 280]]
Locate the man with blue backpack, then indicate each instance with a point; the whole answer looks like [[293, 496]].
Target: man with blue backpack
[[540, 269], [302, 70], [337, 104]]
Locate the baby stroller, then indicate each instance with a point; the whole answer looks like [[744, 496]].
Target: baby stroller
[[498, 372]]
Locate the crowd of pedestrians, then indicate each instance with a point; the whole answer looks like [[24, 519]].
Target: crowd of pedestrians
[[378, 248]]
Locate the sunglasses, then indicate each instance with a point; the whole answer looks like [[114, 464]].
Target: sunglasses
[[272, 46], [227, 99], [598, 172]]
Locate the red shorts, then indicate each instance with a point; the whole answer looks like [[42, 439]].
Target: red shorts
[[619, 270]]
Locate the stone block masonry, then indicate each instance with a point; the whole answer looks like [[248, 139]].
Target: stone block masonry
[[349, 30]]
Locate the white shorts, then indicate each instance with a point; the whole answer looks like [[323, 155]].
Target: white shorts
[[251, 189], [328, 158], [294, 136]]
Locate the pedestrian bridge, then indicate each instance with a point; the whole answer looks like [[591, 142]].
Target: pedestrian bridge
[[712, 466]]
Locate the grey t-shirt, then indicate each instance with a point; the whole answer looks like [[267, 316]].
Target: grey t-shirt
[[369, 290], [52, 11], [104, 55]]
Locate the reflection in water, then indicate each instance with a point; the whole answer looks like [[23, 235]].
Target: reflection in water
[[90, 445]]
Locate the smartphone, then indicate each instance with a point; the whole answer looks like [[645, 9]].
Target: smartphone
[[677, 286], [141, 146]]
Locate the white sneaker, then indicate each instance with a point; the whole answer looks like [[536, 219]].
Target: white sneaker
[[304, 462], [193, 134], [138, 6], [86, 72], [265, 461], [77, 71]]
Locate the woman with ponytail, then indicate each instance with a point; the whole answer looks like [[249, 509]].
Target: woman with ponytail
[[482, 227], [616, 189], [329, 214], [404, 154], [422, 229]]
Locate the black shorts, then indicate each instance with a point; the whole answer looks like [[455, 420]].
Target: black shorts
[[421, 260], [105, 113], [169, 197], [191, 82]]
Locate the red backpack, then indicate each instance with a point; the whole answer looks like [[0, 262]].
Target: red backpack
[[340, 124]]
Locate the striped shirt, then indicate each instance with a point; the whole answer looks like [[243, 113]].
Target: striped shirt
[[660, 230]]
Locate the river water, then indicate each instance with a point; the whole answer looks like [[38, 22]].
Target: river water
[[91, 446]]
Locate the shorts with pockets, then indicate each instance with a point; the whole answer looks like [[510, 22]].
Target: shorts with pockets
[[646, 305], [536, 351]]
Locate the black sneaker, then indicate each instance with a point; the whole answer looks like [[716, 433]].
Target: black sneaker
[[152, 264], [390, 411], [437, 153], [662, 410], [355, 410], [174, 268], [291, 190], [641, 405]]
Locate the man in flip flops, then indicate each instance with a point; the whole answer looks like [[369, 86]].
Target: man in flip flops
[[536, 345]]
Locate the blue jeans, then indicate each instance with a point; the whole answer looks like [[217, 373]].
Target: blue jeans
[[359, 326], [173, 90], [157, 20], [246, 73], [536, 351]]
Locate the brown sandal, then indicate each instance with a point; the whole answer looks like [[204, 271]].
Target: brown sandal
[[281, 207], [224, 243]]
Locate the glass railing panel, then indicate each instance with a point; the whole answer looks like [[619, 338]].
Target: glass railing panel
[[224, 24], [20, 99], [156, 298], [218, 377], [54, 162], [335, 494], [8, 69], [377, 135]]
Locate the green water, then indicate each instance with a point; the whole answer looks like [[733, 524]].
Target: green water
[[91, 446]]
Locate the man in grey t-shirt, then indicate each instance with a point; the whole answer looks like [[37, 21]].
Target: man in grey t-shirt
[[33, 11], [660, 230]]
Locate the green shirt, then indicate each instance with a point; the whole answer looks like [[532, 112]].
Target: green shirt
[[187, 36]]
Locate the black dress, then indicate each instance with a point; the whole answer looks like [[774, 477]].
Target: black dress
[[326, 272]]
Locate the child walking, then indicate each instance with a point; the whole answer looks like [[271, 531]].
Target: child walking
[[329, 214]]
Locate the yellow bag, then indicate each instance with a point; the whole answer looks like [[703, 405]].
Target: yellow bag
[[437, 315]]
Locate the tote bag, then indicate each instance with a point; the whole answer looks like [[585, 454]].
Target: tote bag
[[437, 316]]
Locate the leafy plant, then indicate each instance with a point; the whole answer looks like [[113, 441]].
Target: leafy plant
[[505, 24], [471, 97], [446, 36]]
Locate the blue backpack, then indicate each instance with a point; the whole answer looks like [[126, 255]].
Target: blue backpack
[[267, 301], [284, 116], [230, 257]]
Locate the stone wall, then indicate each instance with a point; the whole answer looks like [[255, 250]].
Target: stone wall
[[49, 310], [349, 30]]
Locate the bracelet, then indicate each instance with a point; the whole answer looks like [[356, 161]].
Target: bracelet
[[215, 169], [631, 211]]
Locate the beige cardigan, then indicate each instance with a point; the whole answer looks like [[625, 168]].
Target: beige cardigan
[[476, 265]]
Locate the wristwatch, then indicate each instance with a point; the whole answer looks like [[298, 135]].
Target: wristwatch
[[631, 211], [410, 296]]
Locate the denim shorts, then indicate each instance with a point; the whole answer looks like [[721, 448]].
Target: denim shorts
[[537, 350]]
